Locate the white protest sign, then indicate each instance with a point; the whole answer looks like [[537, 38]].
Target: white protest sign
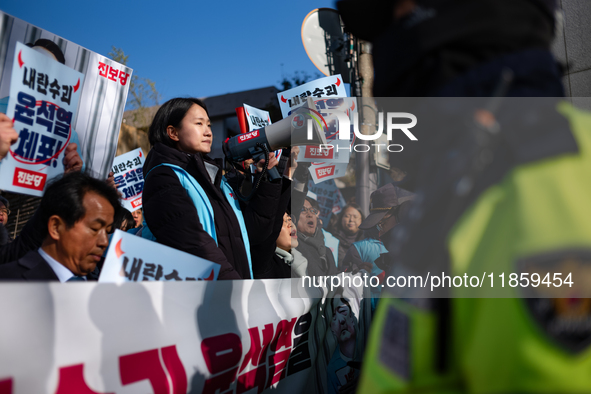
[[329, 198], [339, 150], [257, 119], [43, 101], [103, 92], [132, 259], [153, 337], [329, 94], [129, 178], [328, 87]]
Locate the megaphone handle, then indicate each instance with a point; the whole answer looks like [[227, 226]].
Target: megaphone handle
[[272, 173]]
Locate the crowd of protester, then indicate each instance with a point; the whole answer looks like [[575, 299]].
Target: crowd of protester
[[190, 203]]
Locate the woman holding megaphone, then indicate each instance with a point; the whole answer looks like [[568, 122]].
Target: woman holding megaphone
[[189, 205]]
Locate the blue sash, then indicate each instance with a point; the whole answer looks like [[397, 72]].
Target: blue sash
[[204, 208]]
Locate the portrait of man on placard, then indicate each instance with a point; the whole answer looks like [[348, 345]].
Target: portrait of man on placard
[[343, 325]]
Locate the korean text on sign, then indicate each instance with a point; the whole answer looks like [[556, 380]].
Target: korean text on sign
[[129, 178], [43, 101]]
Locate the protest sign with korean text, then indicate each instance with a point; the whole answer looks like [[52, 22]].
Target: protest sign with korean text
[[327, 87], [329, 161], [132, 259], [329, 199], [44, 97], [129, 178], [103, 90], [333, 98], [257, 119]]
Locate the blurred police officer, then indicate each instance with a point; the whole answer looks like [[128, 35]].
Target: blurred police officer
[[522, 204]]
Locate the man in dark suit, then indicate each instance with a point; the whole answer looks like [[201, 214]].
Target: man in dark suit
[[78, 212]]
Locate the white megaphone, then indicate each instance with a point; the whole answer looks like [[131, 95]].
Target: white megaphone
[[303, 127]]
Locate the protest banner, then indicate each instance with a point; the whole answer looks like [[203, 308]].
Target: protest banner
[[326, 98], [328, 161], [103, 90], [327, 87], [44, 99], [337, 150], [165, 338], [329, 199], [132, 259], [257, 119], [129, 178]]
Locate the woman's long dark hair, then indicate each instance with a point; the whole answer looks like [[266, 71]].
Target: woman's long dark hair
[[171, 113]]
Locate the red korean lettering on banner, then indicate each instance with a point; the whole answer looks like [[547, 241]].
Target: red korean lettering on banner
[[315, 152], [103, 69], [6, 386], [251, 379], [123, 77], [175, 369], [257, 351], [277, 366], [283, 334], [147, 366], [248, 136], [137, 202], [169, 378], [71, 381], [113, 74], [270, 353], [325, 172], [144, 366], [29, 179], [221, 353], [287, 343]]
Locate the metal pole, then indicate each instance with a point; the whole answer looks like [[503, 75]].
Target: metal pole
[[367, 117], [18, 211]]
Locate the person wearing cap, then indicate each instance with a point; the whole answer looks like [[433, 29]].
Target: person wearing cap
[[383, 208], [388, 208], [386, 203], [524, 204]]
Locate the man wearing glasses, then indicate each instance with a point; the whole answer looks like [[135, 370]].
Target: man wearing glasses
[[4, 210], [311, 241]]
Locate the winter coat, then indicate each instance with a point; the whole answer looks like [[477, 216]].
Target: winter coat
[[320, 258], [265, 262], [345, 242], [173, 219], [30, 238]]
